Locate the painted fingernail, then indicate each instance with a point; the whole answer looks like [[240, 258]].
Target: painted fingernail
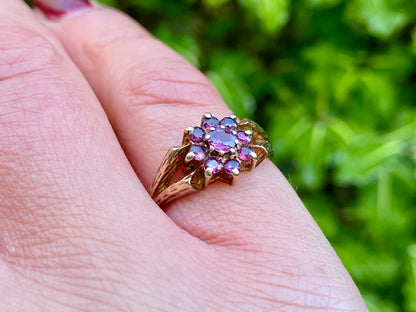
[[53, 9]]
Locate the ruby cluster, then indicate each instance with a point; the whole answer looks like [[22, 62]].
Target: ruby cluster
[[219, 145]]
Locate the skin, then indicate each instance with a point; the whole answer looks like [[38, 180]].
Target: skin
[[88, 108]]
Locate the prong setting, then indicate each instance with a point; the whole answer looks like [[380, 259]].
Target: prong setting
[[227, 149], [217, 150], [209, 172], [190, 156]]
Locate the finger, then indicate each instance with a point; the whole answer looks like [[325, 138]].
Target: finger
[[146, 86], [74, 219], [151, 94]]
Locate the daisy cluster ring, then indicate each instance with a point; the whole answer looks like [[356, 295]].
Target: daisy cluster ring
[[219, 146], [214, 150]]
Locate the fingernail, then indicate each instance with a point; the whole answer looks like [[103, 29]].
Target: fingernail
[[60, 8]]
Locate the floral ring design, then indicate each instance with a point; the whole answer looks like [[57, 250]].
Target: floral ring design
[[216, 150]]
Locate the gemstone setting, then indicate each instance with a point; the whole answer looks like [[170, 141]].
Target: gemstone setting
[[222, 141], [228, 123], [197, 135], [210, 123], [232, 167], [245, 153], [200, 152], [243, 137], [223, 148], [214, 164]]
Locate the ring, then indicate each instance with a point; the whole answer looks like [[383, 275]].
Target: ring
[[215, 151]]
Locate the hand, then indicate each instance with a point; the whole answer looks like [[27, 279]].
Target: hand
[[89, 104]]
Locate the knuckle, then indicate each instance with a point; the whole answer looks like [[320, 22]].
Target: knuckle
[[173, 81], [23, 51], [33, 88], [29, 65]]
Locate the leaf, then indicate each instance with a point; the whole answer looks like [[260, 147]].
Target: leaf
[[234, 92], [182, 43], [108, 2], [341, 129], [379, 17], [323, 3], [317, 142], [410, 288], [376, 304], [366, 264], [384, 194], [215, 3], [414, 40], [272, 14]]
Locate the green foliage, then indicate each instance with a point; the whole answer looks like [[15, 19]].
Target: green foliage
[[382, 18], [333, 82], [271, 14]]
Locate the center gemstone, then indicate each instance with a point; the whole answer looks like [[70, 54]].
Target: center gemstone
[[222, 141]]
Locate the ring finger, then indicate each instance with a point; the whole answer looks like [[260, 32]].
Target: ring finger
[[151, 94]]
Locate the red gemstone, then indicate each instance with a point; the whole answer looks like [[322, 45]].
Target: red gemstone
[[210, 123], [213, 163], [197, 135], [244, 153], [222, 141], [243, 137], [229, 123], [200, 152], [230, 165]]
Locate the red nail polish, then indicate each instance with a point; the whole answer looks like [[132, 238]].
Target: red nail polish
[[60, 8]]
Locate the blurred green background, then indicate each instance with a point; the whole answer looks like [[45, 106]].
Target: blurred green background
[[334, 84]]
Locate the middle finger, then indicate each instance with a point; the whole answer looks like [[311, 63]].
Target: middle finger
[[71, 228]]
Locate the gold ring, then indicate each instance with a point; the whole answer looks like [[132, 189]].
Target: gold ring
[[215, 151]]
